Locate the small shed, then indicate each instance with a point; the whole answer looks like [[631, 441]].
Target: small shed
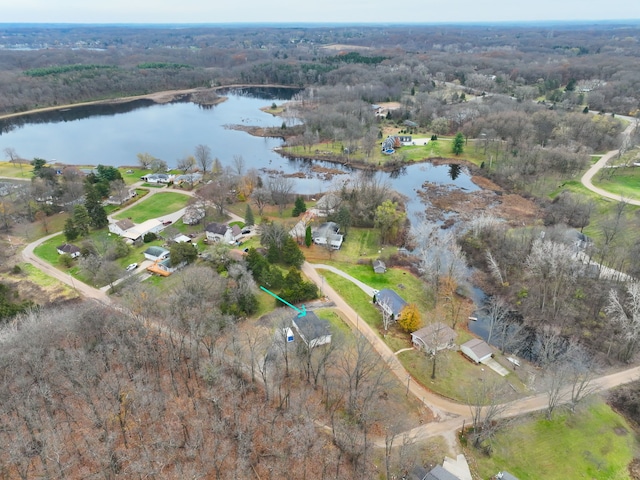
[[476, 350], [379, 266], [434, 337], [69, 249], [313, 331]]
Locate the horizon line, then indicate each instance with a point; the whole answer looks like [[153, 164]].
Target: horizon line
[[539, 22]]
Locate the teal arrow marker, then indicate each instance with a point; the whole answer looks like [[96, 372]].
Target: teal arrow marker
[[301, 311]]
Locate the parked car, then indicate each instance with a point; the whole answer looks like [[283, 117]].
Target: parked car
[[167, 222], [131, 267]]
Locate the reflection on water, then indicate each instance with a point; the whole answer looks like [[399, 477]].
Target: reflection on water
[[114, 134]]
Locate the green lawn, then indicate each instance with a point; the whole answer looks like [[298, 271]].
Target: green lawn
[[16, 170], [623, 181], [39, 278], [409, 287], [154, 207], [101, 238], [356, 298], [595, 443]]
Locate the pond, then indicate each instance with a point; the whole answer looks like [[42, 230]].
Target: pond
[[115, 134]]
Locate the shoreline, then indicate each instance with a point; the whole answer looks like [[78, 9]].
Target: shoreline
[[165, 96]]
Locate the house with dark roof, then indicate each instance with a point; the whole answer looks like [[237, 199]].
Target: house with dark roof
[[434, 337], [313, 330], [69, 249], [215, 232], [390, 302], [476, 350], [439, 473], [156, 253]]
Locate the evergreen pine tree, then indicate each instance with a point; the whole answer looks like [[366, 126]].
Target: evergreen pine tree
[[249, 220], [80, 221], [93, 204], [458, 144], [307, 236], [70, 232]]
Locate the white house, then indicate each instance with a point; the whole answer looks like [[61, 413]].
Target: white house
[[313, 331], [121, 226], [138, 231], [216, 232], [477, 350], [327, 234], [69, 249]]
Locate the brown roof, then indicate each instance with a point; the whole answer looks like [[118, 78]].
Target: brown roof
[[125, 224], [436, 333]]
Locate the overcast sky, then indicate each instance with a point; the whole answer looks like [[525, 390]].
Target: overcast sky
[[306, 11]]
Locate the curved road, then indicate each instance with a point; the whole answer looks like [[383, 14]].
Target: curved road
[[596, 167], [450, 415]]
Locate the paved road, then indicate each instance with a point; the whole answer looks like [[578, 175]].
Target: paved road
[[596, 167], [80, 287], [363, 286], [450, 415]]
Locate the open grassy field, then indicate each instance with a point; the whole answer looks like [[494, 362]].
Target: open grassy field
[[50, 284], [595, 443], [357, 299], [623, 181], [154, 207], [16, 170]]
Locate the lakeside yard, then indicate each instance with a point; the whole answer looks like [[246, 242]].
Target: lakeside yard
[[155, 206]]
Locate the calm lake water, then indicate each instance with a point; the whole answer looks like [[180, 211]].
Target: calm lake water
[[115, 134]]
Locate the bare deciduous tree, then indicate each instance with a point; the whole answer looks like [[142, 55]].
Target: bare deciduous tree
[[624, 314], [203, 158], [483, 400]]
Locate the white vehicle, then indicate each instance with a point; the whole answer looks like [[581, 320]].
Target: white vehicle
[[131, 267]]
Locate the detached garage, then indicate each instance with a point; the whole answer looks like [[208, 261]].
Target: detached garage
[[477, 350]]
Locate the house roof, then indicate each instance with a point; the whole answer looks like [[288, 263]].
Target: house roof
[[142, 228], [439, 473], [125, 224], [216, 228], [435, 334], [235, 230], [156, 251], [326, 230], [311, 326], [480, 348], [395, 301], [379, 265], [328, 201], [182, 238], [68, 248]]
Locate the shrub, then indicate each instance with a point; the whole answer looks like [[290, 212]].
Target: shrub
[[149, 237], [65, 260]]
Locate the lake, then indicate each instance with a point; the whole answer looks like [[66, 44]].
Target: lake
[[115, 134]]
